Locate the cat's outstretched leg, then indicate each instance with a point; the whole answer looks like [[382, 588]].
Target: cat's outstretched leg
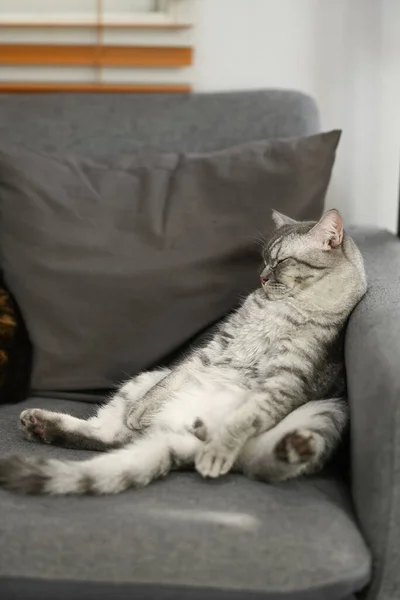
[[299, 445], [136, 465], [104, 431], [142, 413]]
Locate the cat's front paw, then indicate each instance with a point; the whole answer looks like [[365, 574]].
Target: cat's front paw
[[136, 419], [199, 429], [214, 459]]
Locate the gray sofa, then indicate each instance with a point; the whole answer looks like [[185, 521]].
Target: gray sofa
[[323, 538]]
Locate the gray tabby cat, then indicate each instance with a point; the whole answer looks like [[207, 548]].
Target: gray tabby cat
[[263, 397]]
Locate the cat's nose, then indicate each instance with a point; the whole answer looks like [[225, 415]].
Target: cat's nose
[[263, 279]]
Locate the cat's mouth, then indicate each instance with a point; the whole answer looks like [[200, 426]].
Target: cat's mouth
[[264, 287]]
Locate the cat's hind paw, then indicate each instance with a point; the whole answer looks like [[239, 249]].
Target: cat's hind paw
[[40, 425], [298, 446]]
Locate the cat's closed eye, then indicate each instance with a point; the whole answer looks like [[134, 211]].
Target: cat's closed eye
[[282, 262]]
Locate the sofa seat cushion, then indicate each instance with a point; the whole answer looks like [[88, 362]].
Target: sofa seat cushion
[[181, 537]]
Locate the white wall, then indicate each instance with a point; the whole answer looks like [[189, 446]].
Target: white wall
[[389, 80], [346, 53]]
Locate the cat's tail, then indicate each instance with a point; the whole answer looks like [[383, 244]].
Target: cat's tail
[[135, 465]]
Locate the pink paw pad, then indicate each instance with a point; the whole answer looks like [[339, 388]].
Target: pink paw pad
[[33, 419]]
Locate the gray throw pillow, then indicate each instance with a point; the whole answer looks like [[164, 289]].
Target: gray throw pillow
[[116, 265]]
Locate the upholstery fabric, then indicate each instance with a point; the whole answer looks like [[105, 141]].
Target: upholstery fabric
[[103, 125], [373, 360], [303, 515], [116, 264], [181, 535]]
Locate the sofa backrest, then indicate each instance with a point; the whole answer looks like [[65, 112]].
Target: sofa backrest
[[99, 125]]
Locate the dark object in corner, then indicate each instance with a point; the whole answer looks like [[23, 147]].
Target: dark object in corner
[[15, 350], [398, 216]]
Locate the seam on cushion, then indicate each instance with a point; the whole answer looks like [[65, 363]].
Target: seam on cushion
[[66, 160], [79, 385], [316, 589]]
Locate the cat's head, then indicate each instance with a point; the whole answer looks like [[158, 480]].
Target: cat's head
[[315, 260]]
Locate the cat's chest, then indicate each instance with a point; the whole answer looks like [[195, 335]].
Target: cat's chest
[[263, 335]]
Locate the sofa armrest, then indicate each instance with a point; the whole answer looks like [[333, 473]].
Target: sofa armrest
[[373, 377]]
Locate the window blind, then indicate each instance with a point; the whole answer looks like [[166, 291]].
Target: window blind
[[123, 45]]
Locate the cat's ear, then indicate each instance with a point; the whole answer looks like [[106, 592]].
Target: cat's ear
[[280, 220], [329, 230]]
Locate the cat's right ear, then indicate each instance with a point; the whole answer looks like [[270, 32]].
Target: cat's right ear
[[281, 220], [329, 230]]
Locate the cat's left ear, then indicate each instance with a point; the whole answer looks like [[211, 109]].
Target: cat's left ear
[[329, 230], [280, 220]]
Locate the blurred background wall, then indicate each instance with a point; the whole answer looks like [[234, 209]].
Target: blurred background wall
[[345, 53]]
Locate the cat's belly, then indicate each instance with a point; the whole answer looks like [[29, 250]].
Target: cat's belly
[[210, 401]]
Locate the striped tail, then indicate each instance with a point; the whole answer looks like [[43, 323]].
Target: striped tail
[[135, 465]]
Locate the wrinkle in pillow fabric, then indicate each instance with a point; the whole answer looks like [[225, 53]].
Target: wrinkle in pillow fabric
[[117, 264]]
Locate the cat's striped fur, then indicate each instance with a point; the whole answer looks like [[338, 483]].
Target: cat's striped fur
[[263, 396]]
